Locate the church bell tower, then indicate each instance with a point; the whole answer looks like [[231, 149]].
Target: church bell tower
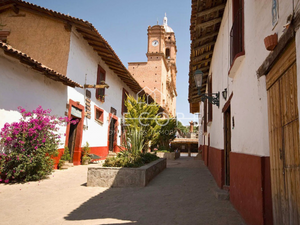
[[158, 74]]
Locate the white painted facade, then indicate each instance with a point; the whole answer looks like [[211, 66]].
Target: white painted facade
[[82, 68], [20, 85], [249, 101]]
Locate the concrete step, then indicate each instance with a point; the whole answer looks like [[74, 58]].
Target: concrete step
[[67, 165], [220, 194]]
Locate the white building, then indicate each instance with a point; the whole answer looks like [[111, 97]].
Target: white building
[[250, 142], [75, 50]]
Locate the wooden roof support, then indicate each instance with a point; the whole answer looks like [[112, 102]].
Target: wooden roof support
[[202, 56], [208, 23], [204, 37], [202, 69], [211, 10], [212, 43], [201, 62]]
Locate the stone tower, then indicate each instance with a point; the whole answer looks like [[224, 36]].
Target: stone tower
[[158, 75]]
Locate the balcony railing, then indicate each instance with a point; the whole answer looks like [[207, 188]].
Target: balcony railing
[[237, 36]]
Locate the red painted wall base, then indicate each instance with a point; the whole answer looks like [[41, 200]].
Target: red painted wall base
[[205, 154], [216, 165], [100, 151], [250, 187], [250, 183]]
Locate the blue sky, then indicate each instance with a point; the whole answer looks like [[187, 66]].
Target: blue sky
[[124, 23]]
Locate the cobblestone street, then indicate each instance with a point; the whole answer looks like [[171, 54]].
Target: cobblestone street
[[181, 194]]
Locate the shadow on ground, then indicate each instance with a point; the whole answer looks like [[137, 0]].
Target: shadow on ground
[[181, 194]]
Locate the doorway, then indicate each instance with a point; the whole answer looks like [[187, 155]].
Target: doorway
[[227, 146], [72, 137], [284, 138], [112, 134]]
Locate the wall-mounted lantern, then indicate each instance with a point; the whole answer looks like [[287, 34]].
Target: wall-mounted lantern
[[213, 98]]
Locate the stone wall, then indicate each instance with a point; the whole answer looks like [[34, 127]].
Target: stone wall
[[124, 177], [168, 155]]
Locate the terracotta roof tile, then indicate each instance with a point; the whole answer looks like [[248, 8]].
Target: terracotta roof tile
[[26, 59]]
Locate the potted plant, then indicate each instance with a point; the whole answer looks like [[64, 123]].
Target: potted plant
[[85, 154], [64, 158]]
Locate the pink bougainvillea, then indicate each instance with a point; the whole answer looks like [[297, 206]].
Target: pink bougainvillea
[[29, 144]]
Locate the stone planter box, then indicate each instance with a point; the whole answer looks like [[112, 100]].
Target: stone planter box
[[124, 177], [168, 155]]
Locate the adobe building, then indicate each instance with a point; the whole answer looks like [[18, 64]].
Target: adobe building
[[158, 74]]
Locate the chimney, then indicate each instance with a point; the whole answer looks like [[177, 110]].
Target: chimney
[[191, 127]]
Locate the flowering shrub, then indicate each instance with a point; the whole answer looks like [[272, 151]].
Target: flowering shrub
[[28, 145]]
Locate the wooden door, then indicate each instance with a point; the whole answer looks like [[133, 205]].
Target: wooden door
[[227, 146], [284, 139], [72, 138]]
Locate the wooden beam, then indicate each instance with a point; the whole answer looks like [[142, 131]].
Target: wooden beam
[[87, 32], [211, 10], [15, 9], [95, 42], [201, 62], [204, 37], [115, 66], [208, 23], [96, 86], [100, 48], [6, 7], [202, 56], [202, 69], [212, 43], [68, 27]]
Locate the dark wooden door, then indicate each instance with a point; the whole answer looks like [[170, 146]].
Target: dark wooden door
[[284, 139], [72, 138], [112, 134], [227, 146]]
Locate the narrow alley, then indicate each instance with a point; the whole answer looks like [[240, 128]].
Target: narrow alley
[[182, 194]]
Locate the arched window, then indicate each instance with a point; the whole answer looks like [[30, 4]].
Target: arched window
[[167, 53]]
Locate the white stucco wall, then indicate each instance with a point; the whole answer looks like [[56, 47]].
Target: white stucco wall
[[249, 102], [22, 86], [82, 68]]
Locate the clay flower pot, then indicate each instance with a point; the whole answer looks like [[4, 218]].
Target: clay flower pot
[[271, 42]]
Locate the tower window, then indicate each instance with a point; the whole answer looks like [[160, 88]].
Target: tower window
[[167, 53]]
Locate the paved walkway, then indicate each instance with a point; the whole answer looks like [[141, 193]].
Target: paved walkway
[[181, 194]]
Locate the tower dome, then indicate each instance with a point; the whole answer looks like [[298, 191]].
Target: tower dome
[[165, 24]]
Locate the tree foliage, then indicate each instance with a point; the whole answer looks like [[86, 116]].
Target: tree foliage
[[143, 116], [167, 132]]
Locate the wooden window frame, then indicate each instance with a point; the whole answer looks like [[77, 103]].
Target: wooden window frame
[[101, 117], [100, 92], [237, 37], [124, 98]]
